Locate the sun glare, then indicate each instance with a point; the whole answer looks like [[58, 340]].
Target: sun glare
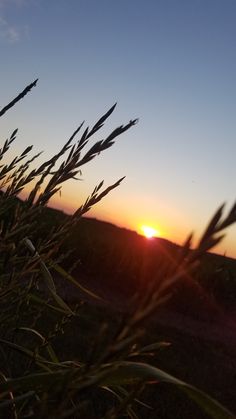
[[149, 232]]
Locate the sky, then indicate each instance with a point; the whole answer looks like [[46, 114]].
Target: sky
[[170, 63]]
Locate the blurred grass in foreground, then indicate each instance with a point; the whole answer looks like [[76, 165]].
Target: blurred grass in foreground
[[114, 372]]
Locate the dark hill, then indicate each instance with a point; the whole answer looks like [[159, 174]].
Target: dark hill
[[125, 261]]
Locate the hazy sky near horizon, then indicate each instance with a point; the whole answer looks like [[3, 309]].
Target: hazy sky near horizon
[[171, 63]]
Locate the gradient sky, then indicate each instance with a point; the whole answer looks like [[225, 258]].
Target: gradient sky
[[171, 63]]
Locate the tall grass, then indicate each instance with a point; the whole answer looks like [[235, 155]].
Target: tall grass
[[34, 381]]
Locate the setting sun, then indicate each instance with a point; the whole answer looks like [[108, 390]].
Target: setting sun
[[149, 232]]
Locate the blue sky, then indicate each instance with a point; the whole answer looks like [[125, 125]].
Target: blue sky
[[172, 63]]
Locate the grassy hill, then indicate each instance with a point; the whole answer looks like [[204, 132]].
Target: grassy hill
[[125, 262], [115, 263], [197, 323]]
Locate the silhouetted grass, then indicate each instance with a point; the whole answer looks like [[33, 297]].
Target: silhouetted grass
[[107, 370]]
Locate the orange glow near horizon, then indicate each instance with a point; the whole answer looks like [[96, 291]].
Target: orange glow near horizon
[[111, 213], [149, 232]]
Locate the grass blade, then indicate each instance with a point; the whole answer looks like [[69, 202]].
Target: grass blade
[[17, 98], [131, 372]]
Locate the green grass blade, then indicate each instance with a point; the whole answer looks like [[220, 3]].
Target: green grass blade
[[153, 347], [41, 381], [61, 303], [52, 353], [22, 350], [131, 372], [33, 331], [41, 302], [50, 350], [70, 278]]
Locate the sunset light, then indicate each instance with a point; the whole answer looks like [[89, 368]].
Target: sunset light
[[117, 209], [149, 232]]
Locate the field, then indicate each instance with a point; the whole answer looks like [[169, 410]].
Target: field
[[195, 327], [199, 323]]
